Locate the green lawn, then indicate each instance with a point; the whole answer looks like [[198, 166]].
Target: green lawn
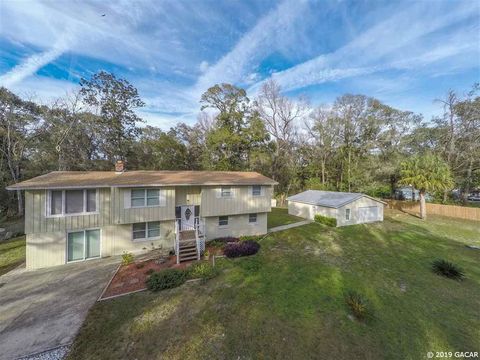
[[280, 216], [287, 302], [12, 253]]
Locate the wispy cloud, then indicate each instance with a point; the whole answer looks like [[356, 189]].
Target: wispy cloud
[[35, 62], [264, 38], [172, 51], [393, 43]]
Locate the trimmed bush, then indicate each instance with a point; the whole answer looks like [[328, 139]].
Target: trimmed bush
[[243, 248], [357, 304], [447, 269], [127, 258], [329, 221], [166, 279], [202, 270]]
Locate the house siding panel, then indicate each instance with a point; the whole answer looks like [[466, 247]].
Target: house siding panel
[[37, 222], [124, 215], [49, 249], [46, 236], [238, 225], [241, 203], [188, 195]]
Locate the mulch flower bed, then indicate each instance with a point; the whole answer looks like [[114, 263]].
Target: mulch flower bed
[[132, 277]]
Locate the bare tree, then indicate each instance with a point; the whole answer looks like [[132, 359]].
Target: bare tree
[[324, 132], [281, 117], [449, 122]]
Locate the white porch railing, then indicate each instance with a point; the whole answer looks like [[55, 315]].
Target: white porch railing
[[198, 229], [177, 241]]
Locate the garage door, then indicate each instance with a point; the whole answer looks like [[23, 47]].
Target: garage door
[[368, 214]]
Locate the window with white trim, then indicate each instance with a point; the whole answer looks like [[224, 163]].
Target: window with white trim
[[145, 197], [145, 230], [347, 214], [226, 191], [256, 190], [252, 218], [223, 221], [71, 202]]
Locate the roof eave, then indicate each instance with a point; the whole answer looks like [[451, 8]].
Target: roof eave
[[15, 188]]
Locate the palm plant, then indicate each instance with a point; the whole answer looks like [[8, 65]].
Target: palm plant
[[426, 173]]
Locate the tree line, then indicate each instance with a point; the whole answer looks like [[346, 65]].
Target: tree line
[[357, 144]]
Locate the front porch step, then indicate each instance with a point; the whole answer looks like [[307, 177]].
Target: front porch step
[[187, 247], [188, 242], [189, 258], [188, 251]]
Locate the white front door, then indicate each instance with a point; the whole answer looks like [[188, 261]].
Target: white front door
[[188, 217]]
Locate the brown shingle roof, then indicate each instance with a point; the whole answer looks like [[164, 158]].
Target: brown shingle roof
[[82, 179]]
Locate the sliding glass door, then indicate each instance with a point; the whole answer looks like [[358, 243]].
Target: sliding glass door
[[82, 245]]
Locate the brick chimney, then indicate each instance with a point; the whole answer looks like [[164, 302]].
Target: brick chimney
[[119, 167]]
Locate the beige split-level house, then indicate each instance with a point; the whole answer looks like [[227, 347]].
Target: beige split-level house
[[79, 215]]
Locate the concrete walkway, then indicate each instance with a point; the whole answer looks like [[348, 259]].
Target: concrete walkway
[[43, 309], [289, 226]]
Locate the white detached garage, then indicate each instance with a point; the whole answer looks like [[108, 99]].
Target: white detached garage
[[347, 208]]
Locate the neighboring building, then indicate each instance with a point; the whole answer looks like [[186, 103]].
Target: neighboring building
[[347, 208], [79, 215], [409, 194]]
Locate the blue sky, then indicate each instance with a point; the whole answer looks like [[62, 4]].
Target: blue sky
[[405, 53]]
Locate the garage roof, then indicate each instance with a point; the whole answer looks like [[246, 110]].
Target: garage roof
[[332, 199]]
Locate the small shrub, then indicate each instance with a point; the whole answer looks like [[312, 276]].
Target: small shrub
[[447, 269], [243, 248], [357, 304], [140, 265], [127, 258], [166, 279], [202, 270], [329, 221], [149, 272]]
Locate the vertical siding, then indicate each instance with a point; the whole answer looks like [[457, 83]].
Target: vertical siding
[[132, 215], [118, 238], [45, 249], [241, 203], [49, 249], [237, 226], [37, 222], [188, 195]]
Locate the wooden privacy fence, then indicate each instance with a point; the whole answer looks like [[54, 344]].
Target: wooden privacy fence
[[461, 212]]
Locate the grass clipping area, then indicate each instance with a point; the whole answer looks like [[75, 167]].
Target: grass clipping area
[[288, 301]]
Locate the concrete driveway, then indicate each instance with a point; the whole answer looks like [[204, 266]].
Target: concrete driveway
[[43, 309]]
